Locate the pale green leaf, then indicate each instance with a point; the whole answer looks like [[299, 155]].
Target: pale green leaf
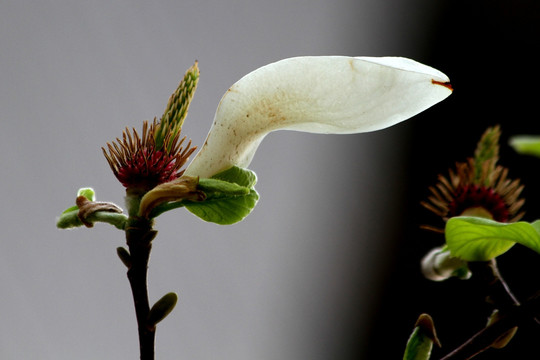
[[215, 188], [527, 145], [479, 239], [243, 177], [225, 210], [230, 197]]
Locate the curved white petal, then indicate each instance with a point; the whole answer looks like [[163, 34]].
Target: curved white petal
[[318, 94]]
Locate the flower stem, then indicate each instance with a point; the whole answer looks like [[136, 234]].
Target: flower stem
[[487, 275], [483, 339], [139, 236], [512, 312]]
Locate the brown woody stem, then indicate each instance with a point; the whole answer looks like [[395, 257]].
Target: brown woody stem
[[139, 236], [512, 312], [483, 339]]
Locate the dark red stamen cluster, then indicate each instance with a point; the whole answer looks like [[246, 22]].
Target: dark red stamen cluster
[[477, 187], [139, 165], [147, 170], [474, 196], [459, 194]]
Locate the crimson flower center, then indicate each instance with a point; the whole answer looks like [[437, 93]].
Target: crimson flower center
[[474, 196], [146, 169]]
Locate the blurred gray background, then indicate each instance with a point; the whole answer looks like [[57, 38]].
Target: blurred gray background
[[300, 278]]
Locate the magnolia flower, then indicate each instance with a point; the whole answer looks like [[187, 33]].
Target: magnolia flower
[[326, 94], [317, 94], [478, 187], [157, 156]]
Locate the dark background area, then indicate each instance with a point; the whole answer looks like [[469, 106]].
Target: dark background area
[[489, 50]]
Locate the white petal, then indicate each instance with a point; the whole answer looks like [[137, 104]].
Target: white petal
[[324, 94]]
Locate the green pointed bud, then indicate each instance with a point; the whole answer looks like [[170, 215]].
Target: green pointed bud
[[176, 110], [162, 308], [486, 154], [124, 255], [421, 341]]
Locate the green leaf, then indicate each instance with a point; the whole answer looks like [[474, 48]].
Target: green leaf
[[421, 340], [526, 145], [479, 239], [242, 177], [532, 242], [215, 188], [225, 211], [230, 197]]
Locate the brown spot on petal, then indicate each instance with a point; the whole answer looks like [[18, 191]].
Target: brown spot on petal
[[445, 84]]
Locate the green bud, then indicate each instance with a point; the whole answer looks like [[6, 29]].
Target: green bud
[[124, 255], [88, 193], [421, 341], [176, 110], [486, 154], [162, 308]]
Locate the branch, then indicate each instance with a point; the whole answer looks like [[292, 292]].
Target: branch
[[139, 236], [481, 341]]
